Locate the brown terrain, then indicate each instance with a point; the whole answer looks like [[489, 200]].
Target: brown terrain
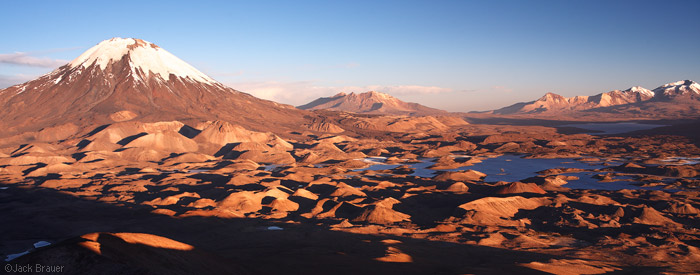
[[124, 184]]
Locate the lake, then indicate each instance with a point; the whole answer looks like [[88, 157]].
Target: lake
[[510, 168]]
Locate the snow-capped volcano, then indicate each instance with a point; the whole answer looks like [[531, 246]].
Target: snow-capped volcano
[[134, 77], [144, 57]]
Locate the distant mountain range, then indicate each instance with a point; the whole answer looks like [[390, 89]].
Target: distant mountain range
[[370, 103], [684, 91]]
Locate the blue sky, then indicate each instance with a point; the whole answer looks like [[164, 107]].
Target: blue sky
[[454, 55]]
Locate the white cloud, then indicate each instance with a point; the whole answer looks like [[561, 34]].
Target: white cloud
[[408, 89], [302, 92], [501, 89], [20, 58], [295, 93], [350, 65], [11, 80]]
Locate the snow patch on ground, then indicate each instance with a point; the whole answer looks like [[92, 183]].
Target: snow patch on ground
[[38, 244], [41, 244], [15, 256]]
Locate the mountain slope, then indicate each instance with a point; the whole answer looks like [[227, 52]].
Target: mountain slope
[[370, 103], [613, 101], [121, 79], [683, 88]]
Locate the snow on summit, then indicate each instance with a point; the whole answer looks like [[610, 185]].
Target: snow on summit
[[142, 55], [682, 87], [640, 90]]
